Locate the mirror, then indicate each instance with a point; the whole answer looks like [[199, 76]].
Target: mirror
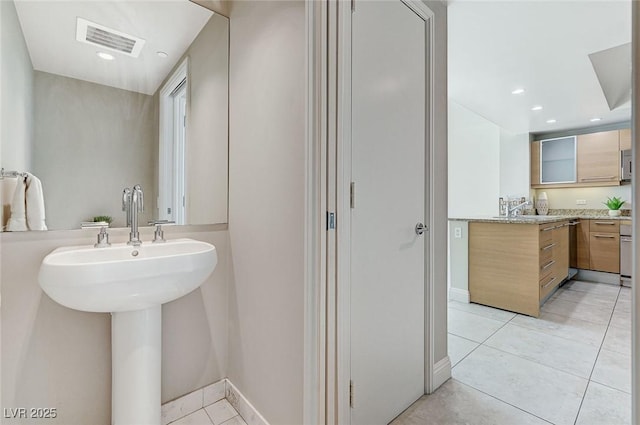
[[153, 110]]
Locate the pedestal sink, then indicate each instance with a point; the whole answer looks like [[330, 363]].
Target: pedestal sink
[[131, 283]]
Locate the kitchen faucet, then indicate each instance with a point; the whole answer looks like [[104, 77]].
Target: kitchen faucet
[[132, 203], [512, 210]]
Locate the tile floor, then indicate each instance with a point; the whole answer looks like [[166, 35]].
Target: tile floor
[[218, 413], [571, 366]]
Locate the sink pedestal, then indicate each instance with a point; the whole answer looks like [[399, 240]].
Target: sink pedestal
[[136, 368]]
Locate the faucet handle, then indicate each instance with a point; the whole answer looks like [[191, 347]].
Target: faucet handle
[[103, 238], [158, 235], [126, 198]]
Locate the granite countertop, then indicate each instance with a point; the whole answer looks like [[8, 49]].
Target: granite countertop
[[553, 217]]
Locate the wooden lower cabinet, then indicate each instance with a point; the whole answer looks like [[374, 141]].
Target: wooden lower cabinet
[[598, 245], [515, 266]]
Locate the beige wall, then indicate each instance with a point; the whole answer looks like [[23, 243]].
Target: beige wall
[[90, 142], [266, 205], [16, 93], [56, 357]]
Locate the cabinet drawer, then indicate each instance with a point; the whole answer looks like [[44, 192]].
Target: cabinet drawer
[[547, 267], [604, 226], [604, 252], [548, 283], [546, 234]]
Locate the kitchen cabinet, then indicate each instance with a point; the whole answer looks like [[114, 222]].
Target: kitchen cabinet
[[604, 245], [596, 161], [598, 245], [598, 158], [582, 245], [558, 160], [535, 163], [515, 266], [625, 139]]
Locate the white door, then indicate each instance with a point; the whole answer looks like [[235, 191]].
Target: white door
[[389, 130]]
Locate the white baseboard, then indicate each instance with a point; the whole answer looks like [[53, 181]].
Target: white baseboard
[[203, 397], [441, 373], [460, 295]]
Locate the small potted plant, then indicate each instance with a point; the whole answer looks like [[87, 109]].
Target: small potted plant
[[102, 219], [614, 204]]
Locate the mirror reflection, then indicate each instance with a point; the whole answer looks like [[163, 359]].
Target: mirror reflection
[[98, 96]]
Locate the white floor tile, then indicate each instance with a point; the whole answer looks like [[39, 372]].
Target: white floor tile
[[621, 319], [625, 294], [221, 411], [459, 348], [236, 420], [540, 390], [560, 353], [618, 339], [604, 405], [613, 370], [199, 417], [593, 287], [578, 311], [564, 327], [607, 301], [181, 407], [455, 403], [471, 326], [482, 310]]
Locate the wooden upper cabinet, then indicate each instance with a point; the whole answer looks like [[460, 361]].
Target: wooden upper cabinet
[[599, 158], [625, 139], [535, 163]]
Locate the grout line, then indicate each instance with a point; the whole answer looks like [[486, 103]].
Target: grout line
[[597, 357], [502, 401]]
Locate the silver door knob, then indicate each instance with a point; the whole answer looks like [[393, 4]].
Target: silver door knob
[[421, 228]]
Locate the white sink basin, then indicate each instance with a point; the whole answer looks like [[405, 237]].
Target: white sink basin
[[125, 278]]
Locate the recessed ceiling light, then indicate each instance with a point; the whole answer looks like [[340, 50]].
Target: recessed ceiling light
[[518, 91], [105, 56], [162, 54], [551, 121], [537, 108], [595, 119]]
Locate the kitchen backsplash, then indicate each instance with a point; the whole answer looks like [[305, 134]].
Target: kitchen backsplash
[[583, 212]]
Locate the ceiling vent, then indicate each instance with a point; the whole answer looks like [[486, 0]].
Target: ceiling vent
[[108, 38]]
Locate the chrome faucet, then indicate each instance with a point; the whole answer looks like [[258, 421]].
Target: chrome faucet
[[511, 210], [133, 203]]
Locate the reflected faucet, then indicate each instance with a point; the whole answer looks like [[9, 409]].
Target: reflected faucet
[[132, 204]]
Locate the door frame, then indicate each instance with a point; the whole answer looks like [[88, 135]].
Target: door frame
[[340, 323]]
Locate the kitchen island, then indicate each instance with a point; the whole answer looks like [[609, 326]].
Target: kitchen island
[[516, 263]]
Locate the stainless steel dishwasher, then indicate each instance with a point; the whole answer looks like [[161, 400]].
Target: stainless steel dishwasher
[[626, 257]]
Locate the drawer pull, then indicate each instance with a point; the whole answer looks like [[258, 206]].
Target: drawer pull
[[608, 223], [586, 179], [549, 264], [548, 283], [604, 236], [548, 228], [549, 246]]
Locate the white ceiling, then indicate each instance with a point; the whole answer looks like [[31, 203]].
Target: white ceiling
[[541, 46], [49, 28]]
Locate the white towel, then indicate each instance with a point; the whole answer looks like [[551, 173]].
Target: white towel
[[27, 207], [35, 203], [18, 219]]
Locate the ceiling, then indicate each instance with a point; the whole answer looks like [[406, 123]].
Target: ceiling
[[495, 47], [170, 26]]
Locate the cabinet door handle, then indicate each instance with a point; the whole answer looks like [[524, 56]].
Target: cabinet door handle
[[548, 228], [604, 236], [586, 179], [549, 264], [607, 223], [549, 246], [548, 283]]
